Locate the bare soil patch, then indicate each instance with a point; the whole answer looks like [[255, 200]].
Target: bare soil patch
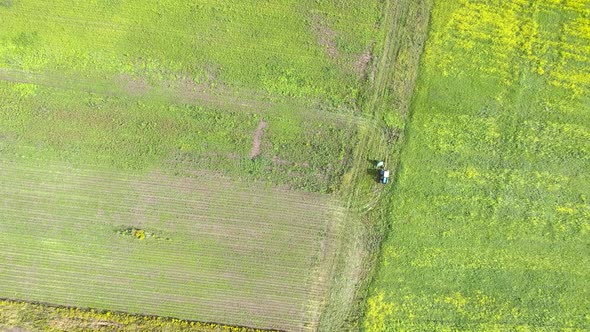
[[134, 86], [278, 161], [186, 90], [326, 36], [257, 140], [362, 63]]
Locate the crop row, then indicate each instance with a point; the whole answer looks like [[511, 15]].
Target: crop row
[[203, 182], [98, 289], [253, 211], [236, 312]]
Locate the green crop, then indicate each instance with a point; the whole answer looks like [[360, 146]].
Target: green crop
[[489, 216]]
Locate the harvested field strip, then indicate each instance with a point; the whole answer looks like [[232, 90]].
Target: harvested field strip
[[99, 177], [87, 186], [118, 278], [170, 248], [195, 216], [273, 306], [284, 274], [162, 301], [78, 279], [179, 222], [397, 58], [84, 195], [256, 264]]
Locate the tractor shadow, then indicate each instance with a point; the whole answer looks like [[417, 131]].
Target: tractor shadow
[[372, 171]]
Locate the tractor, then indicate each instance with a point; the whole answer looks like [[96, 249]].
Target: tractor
[[383, 174]]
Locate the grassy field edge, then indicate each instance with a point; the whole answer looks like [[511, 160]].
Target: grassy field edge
[[48, 317], [388, 103]]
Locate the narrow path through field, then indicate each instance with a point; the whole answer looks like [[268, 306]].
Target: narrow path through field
[[257, 139]]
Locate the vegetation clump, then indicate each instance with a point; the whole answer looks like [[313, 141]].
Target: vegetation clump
[[140, 234]]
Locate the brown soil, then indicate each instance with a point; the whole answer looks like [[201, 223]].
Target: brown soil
[[132, 85], [278, 161], [257, 140], [326, 36], [187, 90], [362, 63]]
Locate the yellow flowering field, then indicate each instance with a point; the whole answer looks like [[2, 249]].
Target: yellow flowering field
[[490, 221]]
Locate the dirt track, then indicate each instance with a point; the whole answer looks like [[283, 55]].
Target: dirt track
[[257, 140]]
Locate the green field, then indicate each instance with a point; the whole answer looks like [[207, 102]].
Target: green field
[[214, 249], [184, 159], [213, 161], [233, 44], [490, 215], [118, 74]]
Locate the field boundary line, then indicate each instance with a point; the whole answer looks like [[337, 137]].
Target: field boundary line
[[361, 196]]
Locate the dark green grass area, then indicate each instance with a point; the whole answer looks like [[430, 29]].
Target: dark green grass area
[[140, 134], [490, 215]]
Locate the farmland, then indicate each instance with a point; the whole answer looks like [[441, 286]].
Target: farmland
[[181, 159], [196, 258], [209, 165], [489, 216]]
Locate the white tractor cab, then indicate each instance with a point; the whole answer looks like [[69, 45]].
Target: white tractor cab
[[383, 173], [384, 176]]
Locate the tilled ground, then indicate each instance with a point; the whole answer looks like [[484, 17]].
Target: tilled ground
[[215, 250]]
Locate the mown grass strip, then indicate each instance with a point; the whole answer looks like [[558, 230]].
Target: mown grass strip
[[387, 100]]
